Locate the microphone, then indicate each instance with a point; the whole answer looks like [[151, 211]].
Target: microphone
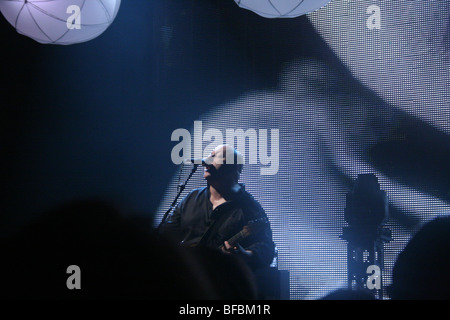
[[195, 161]]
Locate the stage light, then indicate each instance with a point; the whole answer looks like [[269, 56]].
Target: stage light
[[281, 8], [60, 21]]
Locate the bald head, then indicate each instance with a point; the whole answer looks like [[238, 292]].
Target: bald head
[[224, 163]]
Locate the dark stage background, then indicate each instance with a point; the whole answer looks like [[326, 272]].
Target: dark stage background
[[95, 119]]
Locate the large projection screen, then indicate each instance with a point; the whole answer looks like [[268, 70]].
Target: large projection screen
[[381, 107]]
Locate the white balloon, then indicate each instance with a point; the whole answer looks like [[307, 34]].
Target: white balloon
[[60, 21], [282, 8]]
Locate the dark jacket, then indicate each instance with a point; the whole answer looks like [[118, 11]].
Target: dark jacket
[[194, 223]]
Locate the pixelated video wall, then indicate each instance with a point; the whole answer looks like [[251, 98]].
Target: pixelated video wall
[[382, 107]]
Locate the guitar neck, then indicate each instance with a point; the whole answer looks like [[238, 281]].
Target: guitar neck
[[238, 237], [245, 232]]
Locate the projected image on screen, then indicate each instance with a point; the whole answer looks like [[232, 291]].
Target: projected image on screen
[[381, 107]]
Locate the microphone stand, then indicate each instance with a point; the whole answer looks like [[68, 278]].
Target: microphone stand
[[180, 188]]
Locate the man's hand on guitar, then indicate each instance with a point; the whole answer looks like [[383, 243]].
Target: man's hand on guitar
[[237, 249]]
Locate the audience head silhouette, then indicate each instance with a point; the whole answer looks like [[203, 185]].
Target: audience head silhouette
[[422, 268], [117, 259]]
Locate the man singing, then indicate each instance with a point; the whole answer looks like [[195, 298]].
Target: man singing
[[212, 215]]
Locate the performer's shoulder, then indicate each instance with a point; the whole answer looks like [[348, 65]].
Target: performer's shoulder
[[197, 192], [250, 202]]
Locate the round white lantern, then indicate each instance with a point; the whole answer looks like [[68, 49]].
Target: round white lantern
[[282, 8], [60, 21]]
